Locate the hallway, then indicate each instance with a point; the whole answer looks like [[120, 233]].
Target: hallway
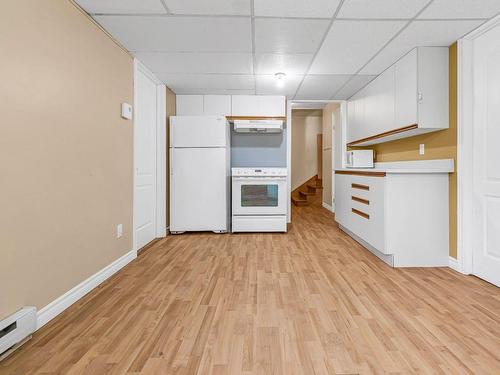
[[311, 301]]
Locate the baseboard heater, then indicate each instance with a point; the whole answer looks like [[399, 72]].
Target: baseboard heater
[[16, 328]]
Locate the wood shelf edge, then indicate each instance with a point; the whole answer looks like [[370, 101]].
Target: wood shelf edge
[[232, 118], [383, 135], [362, 173]]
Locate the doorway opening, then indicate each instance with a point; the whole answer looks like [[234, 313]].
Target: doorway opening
[[316, 149]]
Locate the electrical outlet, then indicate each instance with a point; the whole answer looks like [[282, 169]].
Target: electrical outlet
[[421, 149], [119, 230]]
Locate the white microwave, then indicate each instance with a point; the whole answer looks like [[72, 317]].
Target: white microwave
[[359, 159]]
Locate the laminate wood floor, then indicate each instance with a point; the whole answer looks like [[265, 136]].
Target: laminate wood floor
[[311, 301]]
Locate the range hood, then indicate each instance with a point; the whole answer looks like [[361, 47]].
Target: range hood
[[258, 126]]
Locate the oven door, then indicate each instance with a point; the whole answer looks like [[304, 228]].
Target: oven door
[[259, 196]]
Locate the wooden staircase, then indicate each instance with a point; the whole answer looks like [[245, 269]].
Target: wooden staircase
[[301, 195]]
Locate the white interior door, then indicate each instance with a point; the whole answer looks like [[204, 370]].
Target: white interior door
[[145, 142], [486, 156]]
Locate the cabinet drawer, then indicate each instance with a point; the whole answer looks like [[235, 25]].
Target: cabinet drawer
[[362, 201]]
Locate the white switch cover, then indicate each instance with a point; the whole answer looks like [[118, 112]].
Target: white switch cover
[[127, 111], [119, 230], [422, 149]]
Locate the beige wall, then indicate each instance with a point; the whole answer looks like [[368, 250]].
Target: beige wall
[[306, 125], [438, 145], [327, 151], [65, 153]]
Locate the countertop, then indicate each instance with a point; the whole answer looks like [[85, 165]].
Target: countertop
[[405, 167]]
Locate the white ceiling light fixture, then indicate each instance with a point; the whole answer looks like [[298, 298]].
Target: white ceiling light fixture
[[280, 79]]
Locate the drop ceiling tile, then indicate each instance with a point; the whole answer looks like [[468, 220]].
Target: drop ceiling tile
[[350, 44], [269, 63], [288, 35], [180, 34], [208, 81], [381, 8], [419, 34], [201, 91], [355, 84], [122, 6], [232, 7], [321, 87], [444, 9], [294, 8], [268, 85], [197, 62]]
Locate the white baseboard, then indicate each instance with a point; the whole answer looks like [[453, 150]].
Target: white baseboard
[[328, 207], [49, 312], [453, 264]]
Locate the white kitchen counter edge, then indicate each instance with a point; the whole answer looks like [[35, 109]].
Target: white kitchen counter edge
[[405, 167]]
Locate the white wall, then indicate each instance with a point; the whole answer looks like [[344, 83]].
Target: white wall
[[306, 125], [331, 118]]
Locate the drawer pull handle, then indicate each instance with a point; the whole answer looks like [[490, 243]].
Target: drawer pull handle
[[360, 200], [359, 186], [360, 213]]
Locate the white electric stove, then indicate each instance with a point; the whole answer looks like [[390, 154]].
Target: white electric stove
[[259, 198]]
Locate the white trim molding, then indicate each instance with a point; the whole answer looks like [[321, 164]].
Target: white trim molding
[[161, 161], [454, 265], [49, 312], [465, 147], [289, 159], [327, 206]]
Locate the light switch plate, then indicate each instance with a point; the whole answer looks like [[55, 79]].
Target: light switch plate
[[127, 111], [119, 230], [421, 149]]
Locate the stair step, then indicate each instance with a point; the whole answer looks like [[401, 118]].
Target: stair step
[[314, 187], [299, 202], [306, 193]]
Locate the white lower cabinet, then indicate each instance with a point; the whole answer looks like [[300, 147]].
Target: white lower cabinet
[[402, 218]]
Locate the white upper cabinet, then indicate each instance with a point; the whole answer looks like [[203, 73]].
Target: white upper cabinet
[[407, 99], [216, 105], [406, 82], [203, 105], [258, 105], [231, 105], [433, 88], [189, 105]]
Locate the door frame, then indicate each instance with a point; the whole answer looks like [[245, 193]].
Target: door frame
[[295, 104], [161, 154], [464, 262]]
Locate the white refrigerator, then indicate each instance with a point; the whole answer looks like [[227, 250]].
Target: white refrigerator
[[199, 174]]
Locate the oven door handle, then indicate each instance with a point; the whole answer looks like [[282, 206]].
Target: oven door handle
[[266, 178]]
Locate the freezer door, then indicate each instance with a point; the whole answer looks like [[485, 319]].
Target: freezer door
[[199, 131], [198, 189]]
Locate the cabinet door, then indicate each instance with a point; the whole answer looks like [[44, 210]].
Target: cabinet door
[[433, 84], [217, 105], [359, 118], [384, 110], [406, 91], [189, 105], [273, 105], [258, 105], [342, 200], [351, 114]]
